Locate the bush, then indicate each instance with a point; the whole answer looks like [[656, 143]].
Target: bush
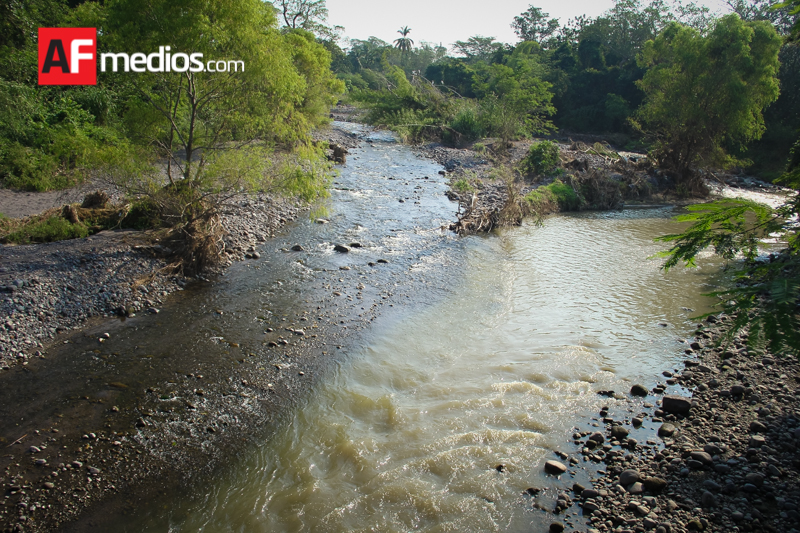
[[542, 159], [462, 186], [466, 125]]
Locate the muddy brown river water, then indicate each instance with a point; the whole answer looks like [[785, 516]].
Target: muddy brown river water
[[495, 367], [467, 361]]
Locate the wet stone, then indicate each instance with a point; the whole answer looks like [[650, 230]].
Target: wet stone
[[666, 430], [627, 477], [554, 467], [676, 404]]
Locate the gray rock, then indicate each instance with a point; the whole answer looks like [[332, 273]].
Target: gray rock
[[639, 390], [627, 477], [297, 248], [342, 249], [619, 432], [755, 478], [737, 390], [757, 441], [666, 430], [708, 500], [597, 437], [556, 527], [677, 405], [757, 427], [589, 506], [554, 467], [654, 485], [703, 457], [636, 488]]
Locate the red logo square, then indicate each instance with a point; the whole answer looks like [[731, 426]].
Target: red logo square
[[67, 56]]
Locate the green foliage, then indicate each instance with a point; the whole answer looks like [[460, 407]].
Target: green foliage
[[515, 98], [557, 194], [477, 48], [533, 25], [542, 159], [764, 295], [792, 9], [51, 229], [466, 123], [404, 43], [462, 185], [704, 93]]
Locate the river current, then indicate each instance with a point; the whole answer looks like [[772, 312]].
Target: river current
[[445, 411]]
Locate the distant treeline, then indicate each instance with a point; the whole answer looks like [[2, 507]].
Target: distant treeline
[[586, 76]]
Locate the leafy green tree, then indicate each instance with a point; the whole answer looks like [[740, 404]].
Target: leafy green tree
[[789, 15], [206, 124], [516, 100], [533, 25], [310, 15], [706, 93], [477, 48]]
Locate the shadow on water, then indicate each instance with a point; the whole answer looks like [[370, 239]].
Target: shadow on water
[[427, 377], [440, 421]]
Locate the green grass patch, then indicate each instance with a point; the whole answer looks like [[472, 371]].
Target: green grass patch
[[557, 194], [50, 229]]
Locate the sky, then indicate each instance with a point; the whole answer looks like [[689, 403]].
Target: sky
[[448, 21]]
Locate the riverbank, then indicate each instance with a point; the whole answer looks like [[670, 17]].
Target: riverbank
[[601, 177], [48, 289], [714, 448]]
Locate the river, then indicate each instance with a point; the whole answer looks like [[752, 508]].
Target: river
[[441, 414]]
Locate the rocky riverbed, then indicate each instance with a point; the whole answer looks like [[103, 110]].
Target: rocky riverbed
[[713, 448], [47, 289]]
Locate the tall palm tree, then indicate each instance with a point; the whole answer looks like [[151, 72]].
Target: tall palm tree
[[404, 44]]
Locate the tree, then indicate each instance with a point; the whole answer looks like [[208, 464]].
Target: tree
[[206, 124], [311, 15], [477, 48], [404, 43], [705, 94], [752, 10], [533, 25], [792, 8], [765, 294]]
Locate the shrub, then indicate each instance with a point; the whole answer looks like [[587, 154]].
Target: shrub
[[542, 158], [466, 124], [462, 186]]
